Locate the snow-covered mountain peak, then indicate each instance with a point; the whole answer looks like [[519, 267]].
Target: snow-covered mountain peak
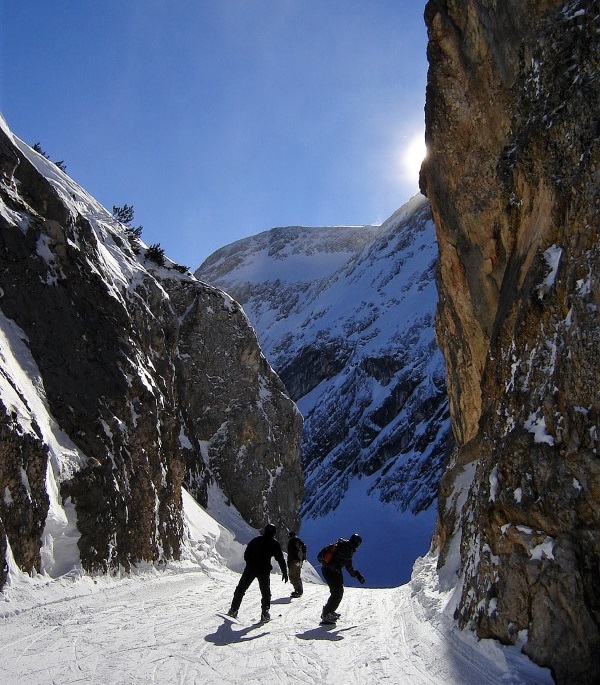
[[345, 316], [294, 249]]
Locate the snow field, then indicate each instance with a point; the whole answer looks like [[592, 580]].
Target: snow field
[[163, 627]]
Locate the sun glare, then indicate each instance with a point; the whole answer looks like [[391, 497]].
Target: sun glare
[[413, 156]]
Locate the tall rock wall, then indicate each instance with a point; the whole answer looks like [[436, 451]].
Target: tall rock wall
[[121, 380], [513, 177]]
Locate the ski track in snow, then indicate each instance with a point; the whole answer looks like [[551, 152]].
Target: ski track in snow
[[165, 628]]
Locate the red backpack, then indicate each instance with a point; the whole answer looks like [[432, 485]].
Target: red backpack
[[327, 553]]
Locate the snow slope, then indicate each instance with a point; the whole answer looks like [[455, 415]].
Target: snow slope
[[163, 627]]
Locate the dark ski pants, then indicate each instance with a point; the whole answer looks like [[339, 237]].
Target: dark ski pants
[[295, 570], [335, 580], [264, 583]]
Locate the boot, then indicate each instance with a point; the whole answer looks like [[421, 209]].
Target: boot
[[328, 617]]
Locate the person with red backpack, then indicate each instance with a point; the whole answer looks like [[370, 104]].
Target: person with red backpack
[[333, 559]]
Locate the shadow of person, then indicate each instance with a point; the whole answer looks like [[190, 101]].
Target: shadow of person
[[282, 600], [324, 633], [226, 635]]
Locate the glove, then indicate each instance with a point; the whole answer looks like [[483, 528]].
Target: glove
[[360, 577], [284, 577]]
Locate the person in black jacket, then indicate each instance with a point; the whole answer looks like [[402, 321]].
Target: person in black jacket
[[258, 556], [332, 572], [296, 552]]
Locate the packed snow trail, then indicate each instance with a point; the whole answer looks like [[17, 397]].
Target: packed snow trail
[[163, 627]]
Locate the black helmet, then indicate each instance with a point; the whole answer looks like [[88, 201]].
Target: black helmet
[[270, 530], [355, 540]]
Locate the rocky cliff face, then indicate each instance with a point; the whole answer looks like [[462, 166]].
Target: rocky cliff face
[[513, 178], [345, 315], [237, 409], [120, 381]]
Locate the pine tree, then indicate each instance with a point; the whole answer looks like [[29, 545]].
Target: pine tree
[[156, 254], [123, 214]]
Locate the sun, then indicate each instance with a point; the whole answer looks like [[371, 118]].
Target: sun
[[413, 157]]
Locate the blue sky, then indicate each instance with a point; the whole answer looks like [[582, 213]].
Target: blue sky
[[219, 119]]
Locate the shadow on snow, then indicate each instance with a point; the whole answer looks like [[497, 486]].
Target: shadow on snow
[[226, 635], [330, 633]]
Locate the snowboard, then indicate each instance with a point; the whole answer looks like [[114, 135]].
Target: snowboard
[[237, 621], [227, 617]]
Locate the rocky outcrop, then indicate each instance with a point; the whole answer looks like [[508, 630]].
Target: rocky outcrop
[[236, 408], [121, 380], [512, 175], [24, 504]]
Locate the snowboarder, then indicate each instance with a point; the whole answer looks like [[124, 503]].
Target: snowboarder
[[258, 556], [296, 555], [333, 559]]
